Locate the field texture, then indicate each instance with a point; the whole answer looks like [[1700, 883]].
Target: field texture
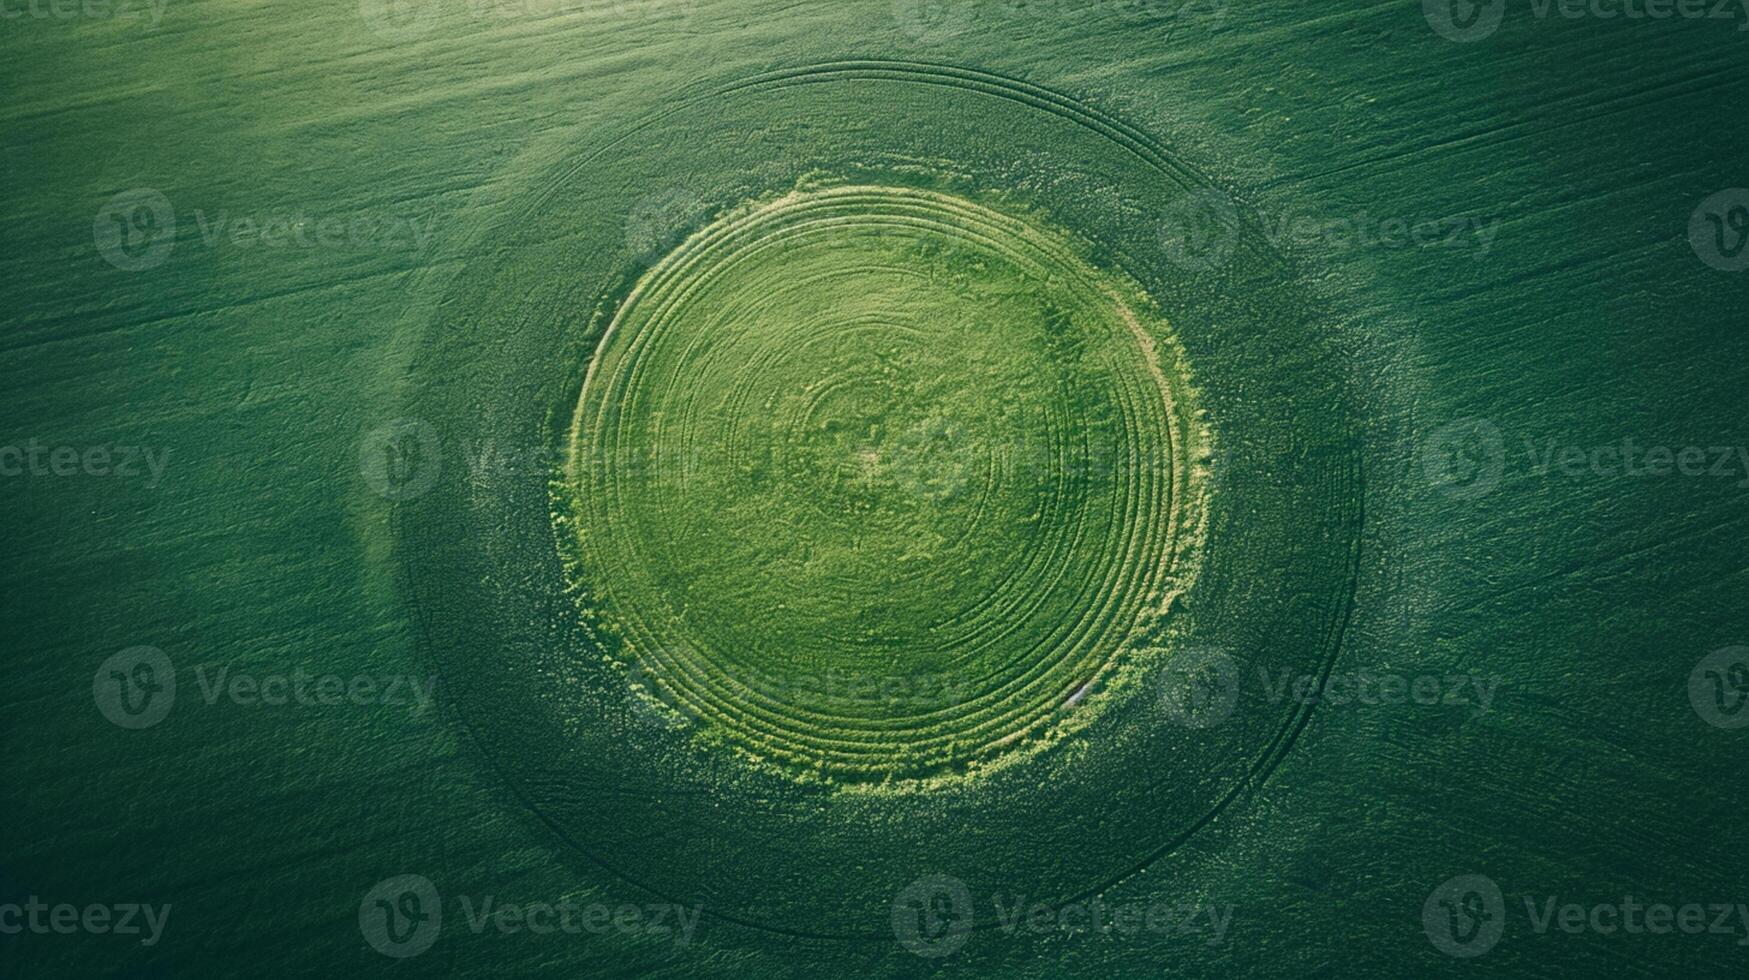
[[985, 489]]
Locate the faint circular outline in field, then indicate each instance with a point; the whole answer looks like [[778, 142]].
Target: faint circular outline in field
[[1332, 461]]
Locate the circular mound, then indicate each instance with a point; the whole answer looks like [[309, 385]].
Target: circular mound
[[873, 481]]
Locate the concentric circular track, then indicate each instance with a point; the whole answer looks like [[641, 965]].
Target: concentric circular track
[[874, 494]]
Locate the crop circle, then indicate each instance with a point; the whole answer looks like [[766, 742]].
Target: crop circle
[[874, 480]]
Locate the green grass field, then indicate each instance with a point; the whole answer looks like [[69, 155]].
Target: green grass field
[[726, 488]]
